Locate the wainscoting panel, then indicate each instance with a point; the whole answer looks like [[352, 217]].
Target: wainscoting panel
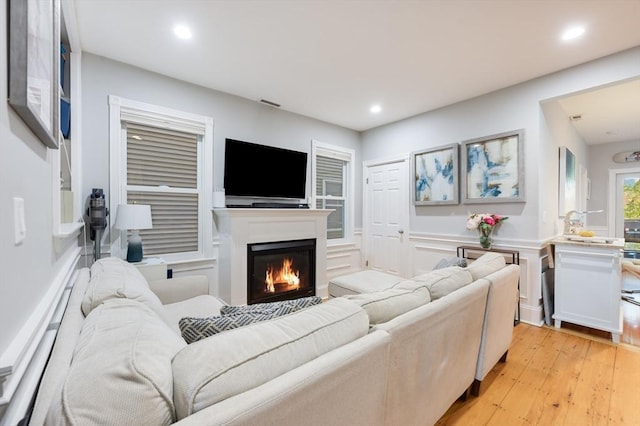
[[428, 250], [22, 365], [344, 259]]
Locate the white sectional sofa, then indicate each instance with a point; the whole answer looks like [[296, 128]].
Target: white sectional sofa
[[388, 357], [426, 378]]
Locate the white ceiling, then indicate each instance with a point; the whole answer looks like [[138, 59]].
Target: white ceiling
[[331, 60], [610, 114]]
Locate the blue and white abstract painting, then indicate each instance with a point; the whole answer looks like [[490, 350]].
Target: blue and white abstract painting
[[492, 169], [436, 176]]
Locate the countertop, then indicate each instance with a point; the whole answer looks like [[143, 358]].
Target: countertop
[[578, 241]]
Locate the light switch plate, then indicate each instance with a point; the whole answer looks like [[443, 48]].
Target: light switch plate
[[19, 224]]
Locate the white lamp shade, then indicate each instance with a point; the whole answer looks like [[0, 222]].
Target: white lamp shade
[[133, 216]]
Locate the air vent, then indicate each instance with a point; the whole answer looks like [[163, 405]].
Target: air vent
[[273, 104], [576, 117]]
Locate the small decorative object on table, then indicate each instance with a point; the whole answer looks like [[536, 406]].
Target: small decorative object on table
[[484, 223]]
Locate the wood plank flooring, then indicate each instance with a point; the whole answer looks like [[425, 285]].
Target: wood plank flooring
[[557, 377]]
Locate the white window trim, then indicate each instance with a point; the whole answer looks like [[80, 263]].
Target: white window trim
[[121, 109], [345, 154]]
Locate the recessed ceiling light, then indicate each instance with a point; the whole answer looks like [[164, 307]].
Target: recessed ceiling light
[[182, 32], [572, 33], [375, 109]]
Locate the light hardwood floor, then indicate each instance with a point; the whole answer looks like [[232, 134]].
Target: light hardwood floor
[[557, 377]]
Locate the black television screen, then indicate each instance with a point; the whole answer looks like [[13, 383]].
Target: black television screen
[[253, 170]]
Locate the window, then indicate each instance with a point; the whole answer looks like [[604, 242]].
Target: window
[[163, 158], [333, 187]]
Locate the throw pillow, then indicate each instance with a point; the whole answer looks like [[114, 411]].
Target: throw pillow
[[194, 329], [451, 261], [121, 369], [114, 278], [294, 304], [440, 282], [486, 264], [385, 305]]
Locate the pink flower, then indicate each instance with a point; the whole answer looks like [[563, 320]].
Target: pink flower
[[484, 221]]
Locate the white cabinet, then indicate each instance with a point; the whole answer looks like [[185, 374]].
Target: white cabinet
[[588, 285]]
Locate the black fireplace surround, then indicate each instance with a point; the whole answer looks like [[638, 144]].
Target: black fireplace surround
[[281, 270]]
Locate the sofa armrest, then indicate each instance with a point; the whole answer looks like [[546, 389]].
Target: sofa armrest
[[497, 329], [179, 289]]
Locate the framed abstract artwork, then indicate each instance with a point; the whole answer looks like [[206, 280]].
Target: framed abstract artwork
[[34, 50], [493, 168], [435, 176]]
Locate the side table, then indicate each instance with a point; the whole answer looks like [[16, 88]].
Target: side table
[[511, 256]]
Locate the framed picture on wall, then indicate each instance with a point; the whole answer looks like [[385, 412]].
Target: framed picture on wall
[[34, 51], [435, 176], [493, 168]]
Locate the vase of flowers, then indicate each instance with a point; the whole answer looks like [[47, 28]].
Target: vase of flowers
[[484, 224]]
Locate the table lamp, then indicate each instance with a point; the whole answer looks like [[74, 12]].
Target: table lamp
[[134, 217]]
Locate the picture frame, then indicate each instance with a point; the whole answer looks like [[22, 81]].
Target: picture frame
[[435, 176], [493, 168], [567, 182], [33, 58]]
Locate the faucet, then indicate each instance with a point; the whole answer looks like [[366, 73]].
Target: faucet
[[571, 225]]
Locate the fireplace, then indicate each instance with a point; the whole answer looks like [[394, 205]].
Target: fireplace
[[281, 270]]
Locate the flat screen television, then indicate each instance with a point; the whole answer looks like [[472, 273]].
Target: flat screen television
[[261, 171]]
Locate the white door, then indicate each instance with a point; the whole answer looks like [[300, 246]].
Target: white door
[[387, 217]]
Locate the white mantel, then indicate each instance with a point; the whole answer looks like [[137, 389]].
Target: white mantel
[[239, 227]]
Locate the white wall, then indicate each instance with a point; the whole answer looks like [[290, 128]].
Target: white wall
[[508, 109], [29, 269], [234, 117], [561, 133], [486, 115]]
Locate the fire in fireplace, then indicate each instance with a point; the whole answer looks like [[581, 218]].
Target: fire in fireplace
[[281, 270]]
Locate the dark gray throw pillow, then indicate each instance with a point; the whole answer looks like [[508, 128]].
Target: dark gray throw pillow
[[451, 261], [303, 302], [194, 329]]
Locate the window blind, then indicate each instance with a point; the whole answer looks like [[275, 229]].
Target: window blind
[[162, 171], [329, 176], [330, 192]]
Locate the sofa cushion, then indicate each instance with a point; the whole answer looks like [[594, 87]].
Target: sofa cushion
[[265, 308], [382, 306], [440, 282], [366, 281], [232, 362], [200, 306], [486, 264], [114, 278], [194, 329], [121, 369]]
